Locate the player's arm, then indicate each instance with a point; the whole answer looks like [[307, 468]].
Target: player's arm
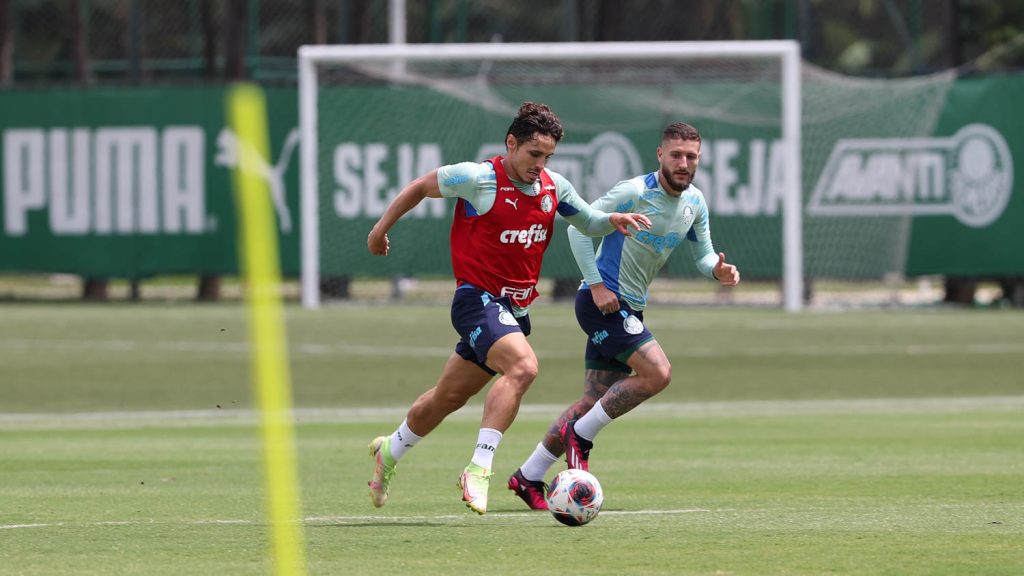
[[425, 186], [591, 221], [622, 197], [709, 263]]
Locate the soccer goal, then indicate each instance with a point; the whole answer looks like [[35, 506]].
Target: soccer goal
[[373, 117]]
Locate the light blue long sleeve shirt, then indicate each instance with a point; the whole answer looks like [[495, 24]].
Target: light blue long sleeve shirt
[[628, 264]]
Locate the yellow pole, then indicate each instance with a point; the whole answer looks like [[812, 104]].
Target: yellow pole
[[267, 339]]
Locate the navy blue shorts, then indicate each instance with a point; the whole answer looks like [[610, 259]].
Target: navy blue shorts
[[481, 319], [611, 338]]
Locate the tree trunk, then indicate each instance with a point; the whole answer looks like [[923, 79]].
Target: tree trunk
[[1013, 290], [209, 39], [235, 52], [960, 290], [135, 41], [359, 26], [335, 287], [209, 289], [609, 18], [316, 21], [95, 289], [6, 44], [79, 46]]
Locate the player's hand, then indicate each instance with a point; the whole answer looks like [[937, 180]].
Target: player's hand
[[377, 243], [727, 274], [604, 299], [622, 222]]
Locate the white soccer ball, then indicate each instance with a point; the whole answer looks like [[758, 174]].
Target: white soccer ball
[[574, 497]]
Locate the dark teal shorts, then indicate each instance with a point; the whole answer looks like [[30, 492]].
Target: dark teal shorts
[[611, 338], [481, 319]]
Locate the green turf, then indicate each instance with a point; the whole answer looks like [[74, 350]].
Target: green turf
[[72, 357], [863, 443], [926, 489]]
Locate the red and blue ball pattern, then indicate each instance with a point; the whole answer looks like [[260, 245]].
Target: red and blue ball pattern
[[575, 497]]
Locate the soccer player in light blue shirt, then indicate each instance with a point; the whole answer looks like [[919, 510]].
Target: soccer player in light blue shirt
[[624, 364]]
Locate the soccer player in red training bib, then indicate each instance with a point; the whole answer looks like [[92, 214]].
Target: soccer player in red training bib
[[503, 221]]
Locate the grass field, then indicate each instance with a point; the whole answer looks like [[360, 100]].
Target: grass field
[[876, 442]]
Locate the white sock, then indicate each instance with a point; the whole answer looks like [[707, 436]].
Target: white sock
[[486, 444], [536, 466], [402, 440], [591, 423]]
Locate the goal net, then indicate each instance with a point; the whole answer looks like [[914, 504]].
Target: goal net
[[868, 160], [374, 117]]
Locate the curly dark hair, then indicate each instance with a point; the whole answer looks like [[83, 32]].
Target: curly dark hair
[[534, 118], [680, 131]]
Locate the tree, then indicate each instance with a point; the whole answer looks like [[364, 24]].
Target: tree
[[6, 44]]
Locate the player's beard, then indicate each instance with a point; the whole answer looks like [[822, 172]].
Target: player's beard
[[675, 184]]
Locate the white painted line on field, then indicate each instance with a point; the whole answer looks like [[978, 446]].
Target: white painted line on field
[[513, 515], [356, 519], [374, 351], [244, 417], [219, 347], [660, 512], [17, 526], [844, 406], [329, 519]]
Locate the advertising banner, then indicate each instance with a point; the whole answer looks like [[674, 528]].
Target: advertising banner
[[132, 182], [908, 176]]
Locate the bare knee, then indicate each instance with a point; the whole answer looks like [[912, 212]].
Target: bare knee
[[527, 369], [522, 374], [663, 377], [658, 378]]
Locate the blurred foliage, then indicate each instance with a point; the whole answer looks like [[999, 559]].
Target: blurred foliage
[[178, 40]]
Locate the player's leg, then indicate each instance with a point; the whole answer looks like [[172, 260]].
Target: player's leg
[[528, 481], [618, 342], [514, 358], [601, 372], [498, 343], [464, 375], [652, 374], [459, 381], [516, 361]]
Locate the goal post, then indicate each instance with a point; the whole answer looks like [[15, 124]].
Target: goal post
[[359, 104]]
